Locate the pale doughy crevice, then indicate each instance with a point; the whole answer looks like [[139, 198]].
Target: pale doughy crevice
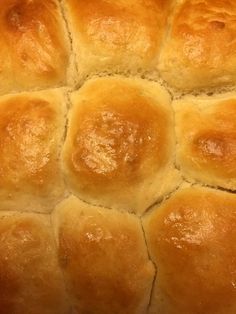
[[73, 67], [154, 265], [165, 38], [194, 182], [67, 105], [165, 197], [179, 94], [55, 242], [168, 30], [152, 75], [73, 46], [176, 139]]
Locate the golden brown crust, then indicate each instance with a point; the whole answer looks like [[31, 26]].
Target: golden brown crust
[[31, 131], [192, 240], [112, 143], [104, 258], [206, 134], [123, 36], [120, 140], [34, 47], [200, 50], [30, 279]]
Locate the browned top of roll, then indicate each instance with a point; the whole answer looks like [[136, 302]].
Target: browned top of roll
[[34, 49], [200, 49], [192, 240]]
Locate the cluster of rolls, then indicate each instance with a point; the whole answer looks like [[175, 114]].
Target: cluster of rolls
[[118, 157]]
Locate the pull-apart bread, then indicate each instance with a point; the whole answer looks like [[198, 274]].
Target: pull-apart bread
[[117, 157]]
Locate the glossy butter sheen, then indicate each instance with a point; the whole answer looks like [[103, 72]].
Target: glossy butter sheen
[[27, 262], [191, 237], [206, 133], [117, 35], [34, 50], [103, 256], [31, 130], [120, 140], [200, 49], [113, 139], [24, 130]]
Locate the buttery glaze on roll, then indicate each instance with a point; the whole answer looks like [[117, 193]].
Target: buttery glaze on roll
[[191, 238], [30, 279], [200, 51], [34, 50], [120, 144], [104, 258], [206, 135], [117, 36], [31, 131]]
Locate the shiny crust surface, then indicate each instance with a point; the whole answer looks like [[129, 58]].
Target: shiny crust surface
[[117, 157], [119, 140], [191, 238], [206, 135], [202, 37], [31, 131], [34, 49], [117, 35], [104, 258], [30, 279]]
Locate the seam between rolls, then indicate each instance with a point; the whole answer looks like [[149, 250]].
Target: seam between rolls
[[69, 35], [64, 136], [200, 183], [175, 124], [161, 200], [54, 238], [67, 105], [154, 265], [166, 35]]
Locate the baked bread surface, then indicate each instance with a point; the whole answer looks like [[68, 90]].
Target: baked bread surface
[[199, 51], [121, 36], [34, 46], [120, 143], [117, 157], [191, 238]]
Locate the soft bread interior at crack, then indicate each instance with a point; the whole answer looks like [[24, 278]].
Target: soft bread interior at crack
[[119, 150], [34, 44], [191, 238], [200, 51], [30, 279], [117, 36], [206, 136], [31, 132], [104, 259]]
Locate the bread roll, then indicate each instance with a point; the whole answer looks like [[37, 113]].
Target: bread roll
[[191, 238], [30, 279], [117, 36], [31, 133], [117, 157], [200, 50], [104, 258], [120, 144], [34, 50], [206, 135]]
